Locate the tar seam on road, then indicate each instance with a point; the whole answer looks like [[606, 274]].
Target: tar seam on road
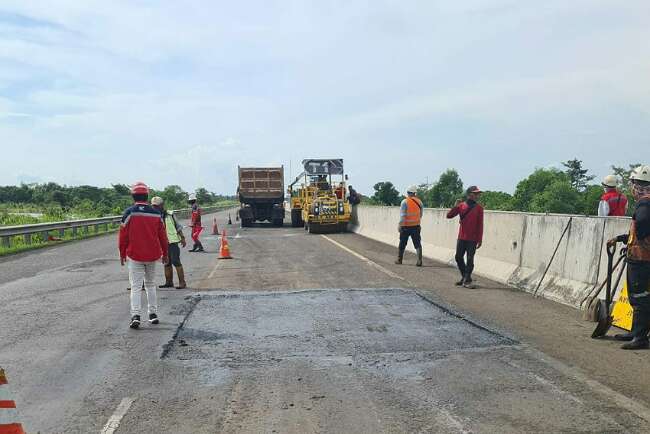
[[114, 421], [194, 300], [367, 261]]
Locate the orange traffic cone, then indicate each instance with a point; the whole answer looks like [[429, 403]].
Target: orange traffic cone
[[225, 249], [215, 228], [8, 414]]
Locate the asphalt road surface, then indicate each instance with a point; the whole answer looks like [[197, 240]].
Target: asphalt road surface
[[302, 333]]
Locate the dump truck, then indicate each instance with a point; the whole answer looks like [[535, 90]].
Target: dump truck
[[261, 195], [319, 202]]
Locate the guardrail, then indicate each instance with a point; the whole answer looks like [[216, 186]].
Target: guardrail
[[7, 233]]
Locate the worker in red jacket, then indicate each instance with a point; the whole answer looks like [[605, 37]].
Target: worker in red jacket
[[142, 242], [470, 234], [195, 223], [613, 203]]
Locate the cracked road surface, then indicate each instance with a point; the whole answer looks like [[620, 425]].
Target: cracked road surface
[[294, 335]]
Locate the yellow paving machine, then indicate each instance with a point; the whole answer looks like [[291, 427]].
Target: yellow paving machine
[[319, 202]]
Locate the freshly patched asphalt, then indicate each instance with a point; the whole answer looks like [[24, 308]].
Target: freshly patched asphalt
[[293, 335]]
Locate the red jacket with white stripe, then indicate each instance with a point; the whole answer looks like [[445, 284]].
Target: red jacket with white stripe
[[143, 236]]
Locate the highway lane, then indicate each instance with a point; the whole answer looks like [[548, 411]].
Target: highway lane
[[296, 334], [65, 339]]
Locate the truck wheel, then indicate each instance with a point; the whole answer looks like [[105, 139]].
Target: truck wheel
[[343, 227], [313, 228], [246, 223], [295, 218], [278, 222]]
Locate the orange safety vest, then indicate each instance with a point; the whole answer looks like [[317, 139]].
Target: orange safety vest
[[413, 212], [637, 250]]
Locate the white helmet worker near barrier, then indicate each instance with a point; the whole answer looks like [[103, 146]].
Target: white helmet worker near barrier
[[638, 262], [613, 203], [411, 211]]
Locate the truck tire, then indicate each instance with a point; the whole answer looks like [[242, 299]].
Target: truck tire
[[343, 227], [278, 222], [246, 223], [296, 218], [313, 228]]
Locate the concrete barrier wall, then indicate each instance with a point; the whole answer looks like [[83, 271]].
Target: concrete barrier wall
[[517, 247]]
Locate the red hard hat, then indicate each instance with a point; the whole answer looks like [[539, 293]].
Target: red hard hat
[[139, 188]]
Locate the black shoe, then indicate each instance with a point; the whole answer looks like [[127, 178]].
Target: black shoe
[[636, 344], [625, 337], [194, 248], [469, 285], [153, 318], [461, 282], [166, 285], [135, 321]]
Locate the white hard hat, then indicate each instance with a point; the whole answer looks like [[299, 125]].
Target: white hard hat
[[157, 200], [191, 196], [610, 181], [641, 173], [412, 189]]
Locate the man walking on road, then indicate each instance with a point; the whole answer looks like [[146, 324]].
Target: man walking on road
[[638, 262], [195, 223], [613, 203], [142, 242], [411, 211], [174, 236], [470, 234]]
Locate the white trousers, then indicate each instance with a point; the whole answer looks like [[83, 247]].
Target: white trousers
[[142, 272]]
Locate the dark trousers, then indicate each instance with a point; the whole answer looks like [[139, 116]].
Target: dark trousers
[[463, 248], [174, 255], [407, 232], [638, 287]]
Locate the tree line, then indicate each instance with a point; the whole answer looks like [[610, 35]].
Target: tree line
[[89, 201], [552, 190]]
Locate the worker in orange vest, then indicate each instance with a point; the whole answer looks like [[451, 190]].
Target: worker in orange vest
[[410, 213], [613, 203]]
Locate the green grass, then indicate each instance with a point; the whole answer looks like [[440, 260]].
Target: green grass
[[18, 245]]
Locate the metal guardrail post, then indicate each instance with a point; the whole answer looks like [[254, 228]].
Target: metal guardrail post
[[5, 242]]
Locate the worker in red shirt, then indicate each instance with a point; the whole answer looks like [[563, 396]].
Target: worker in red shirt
[[142, 242], [470, 234], [613, 203], [195, 223]]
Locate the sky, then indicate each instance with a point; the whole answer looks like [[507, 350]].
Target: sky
[[168, 92]]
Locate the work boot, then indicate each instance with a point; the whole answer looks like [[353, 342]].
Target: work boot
[[461, 282], [400, 256], [194, 247], [153, 318], [181, 277], [169, 277], [200, 249], [636, 344], [419, 263], [626, 337]]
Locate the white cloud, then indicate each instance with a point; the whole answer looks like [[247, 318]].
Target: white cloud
[[121, 90]]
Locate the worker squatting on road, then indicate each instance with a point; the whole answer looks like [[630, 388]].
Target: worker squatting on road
[[638, 262], [411, 211], [470, 234], [613, 203], [195, 223], [142, 242], [175, 237]]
